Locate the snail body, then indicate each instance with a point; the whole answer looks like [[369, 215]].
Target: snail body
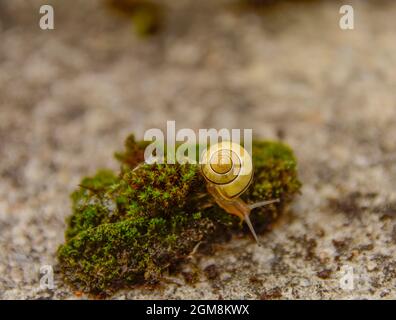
[[228, 169]]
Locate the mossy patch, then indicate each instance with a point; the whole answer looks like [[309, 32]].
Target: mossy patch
[[134, 227]]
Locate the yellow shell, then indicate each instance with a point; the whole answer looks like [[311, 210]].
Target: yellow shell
[[229, 167]]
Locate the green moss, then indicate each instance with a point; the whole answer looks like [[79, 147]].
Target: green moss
[[132, 228], [146, 15], [90, 203]]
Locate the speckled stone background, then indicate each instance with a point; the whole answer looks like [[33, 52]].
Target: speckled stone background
[[69, 97]]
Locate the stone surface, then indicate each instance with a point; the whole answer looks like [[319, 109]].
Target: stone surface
[[68, 98]]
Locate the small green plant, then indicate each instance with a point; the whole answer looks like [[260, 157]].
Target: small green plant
[[133, 227]]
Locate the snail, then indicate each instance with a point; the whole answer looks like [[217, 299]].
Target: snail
[[228, 169]]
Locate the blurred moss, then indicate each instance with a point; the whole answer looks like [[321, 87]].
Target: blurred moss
[[147, 16], [131, 228]]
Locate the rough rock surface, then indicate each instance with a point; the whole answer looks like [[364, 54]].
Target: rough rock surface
[[69, 97]]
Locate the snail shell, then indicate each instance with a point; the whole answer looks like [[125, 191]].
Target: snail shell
[[228, 166]]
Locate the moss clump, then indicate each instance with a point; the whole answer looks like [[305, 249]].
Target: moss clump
[[131, 228], [146, 15]]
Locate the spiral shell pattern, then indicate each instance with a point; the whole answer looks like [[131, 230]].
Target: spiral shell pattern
[[229, 167]]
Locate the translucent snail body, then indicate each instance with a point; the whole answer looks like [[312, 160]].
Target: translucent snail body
[[228, 170]]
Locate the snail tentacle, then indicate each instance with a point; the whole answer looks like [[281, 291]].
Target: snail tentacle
[[249, 223], [262, 203]]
